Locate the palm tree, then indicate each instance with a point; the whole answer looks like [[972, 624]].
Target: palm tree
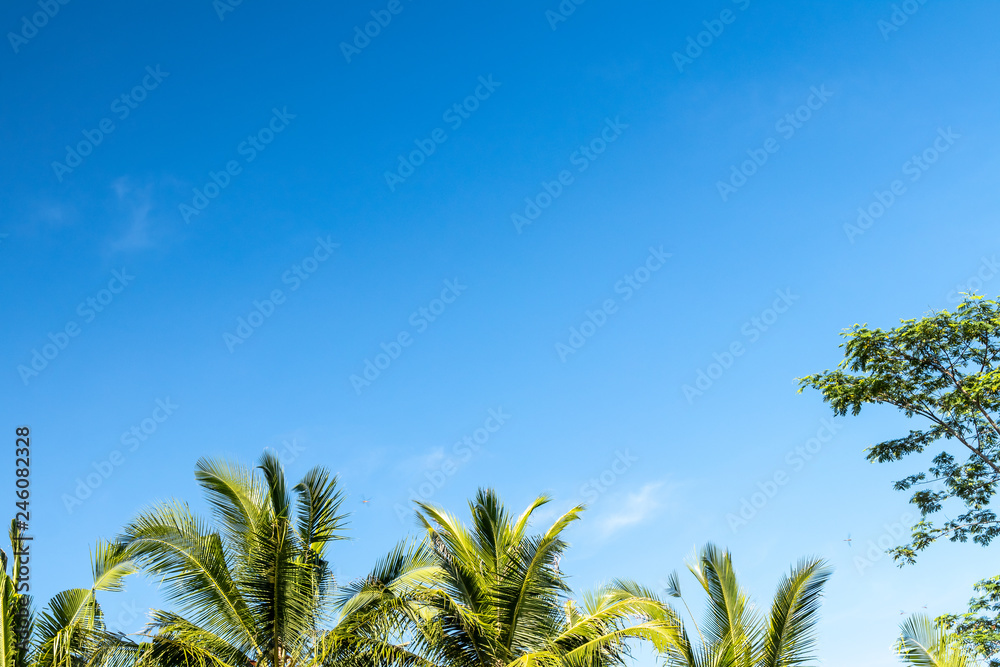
[[735, 632], [251, 590], [71, 629], [927, 644], [488, 595]]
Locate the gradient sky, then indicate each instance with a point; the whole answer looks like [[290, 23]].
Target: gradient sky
[[622, 145]]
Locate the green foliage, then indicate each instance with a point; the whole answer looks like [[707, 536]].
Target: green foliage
[[979, 629], [251, 590], [71, 629], [942, 369], [734, 631], [926, 644], [490, 594]]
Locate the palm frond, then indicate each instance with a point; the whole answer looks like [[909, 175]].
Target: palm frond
[[168, 541], [925, 644], [236, 497], [319, 517], [790, 636], [110, 564], [732, 623]]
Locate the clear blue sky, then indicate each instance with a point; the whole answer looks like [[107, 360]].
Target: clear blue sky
[[287, 136]]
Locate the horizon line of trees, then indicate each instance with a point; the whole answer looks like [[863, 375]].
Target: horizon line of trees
[[252, 585]]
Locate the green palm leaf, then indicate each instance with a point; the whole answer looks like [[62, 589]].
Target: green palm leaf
[[925, 644], [488, 594], [735, 633], [251, 589], [790, 637]]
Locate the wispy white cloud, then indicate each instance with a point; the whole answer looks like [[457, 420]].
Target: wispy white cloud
[[135, 204], [419, 463], [633, 509]]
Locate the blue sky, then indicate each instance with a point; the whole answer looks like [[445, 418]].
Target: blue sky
[[185, 166]]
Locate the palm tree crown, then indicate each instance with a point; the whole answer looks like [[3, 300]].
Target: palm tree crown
[[735, 632], [488, 595], [250, 591]]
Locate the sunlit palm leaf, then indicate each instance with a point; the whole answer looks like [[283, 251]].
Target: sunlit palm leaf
[[736, 635], [790, 638], [924, 644], [488, 594], [252, 589]]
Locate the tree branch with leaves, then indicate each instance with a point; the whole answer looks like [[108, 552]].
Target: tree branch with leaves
[[942, 370]]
